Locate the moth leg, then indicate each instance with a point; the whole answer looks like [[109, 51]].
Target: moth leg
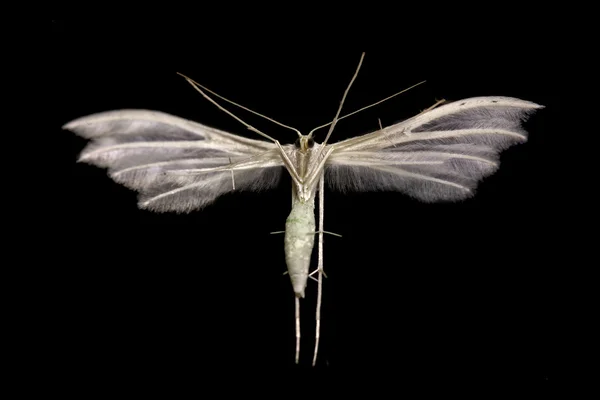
[[318, 170], [437, 103], [327, 232], [319, 267], [384, 133], [289, 165], [297, 329], [232, 176], [315, 271], [322, 270]]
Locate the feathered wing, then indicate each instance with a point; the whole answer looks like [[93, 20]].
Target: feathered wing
[[175, 164], [437, 155]]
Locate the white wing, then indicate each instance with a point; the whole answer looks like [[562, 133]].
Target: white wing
[[440, 154], [148, 151]]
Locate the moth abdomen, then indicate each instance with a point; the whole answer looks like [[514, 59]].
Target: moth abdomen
[[299, 242]]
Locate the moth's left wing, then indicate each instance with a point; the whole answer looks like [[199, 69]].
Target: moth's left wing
[[175, 164], [440, 154]]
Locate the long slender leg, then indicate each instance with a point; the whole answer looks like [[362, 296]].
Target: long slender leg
[[318, 169], [288, 164], [297, 303], [320, 266], [437, 103], [297, 329], [312, 233], [232, 177]]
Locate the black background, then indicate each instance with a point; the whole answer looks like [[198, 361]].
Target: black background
[[445, 292]]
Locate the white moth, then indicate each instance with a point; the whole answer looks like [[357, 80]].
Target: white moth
[[178, 165]]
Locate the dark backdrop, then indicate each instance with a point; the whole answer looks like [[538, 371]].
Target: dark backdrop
[[461, 291]]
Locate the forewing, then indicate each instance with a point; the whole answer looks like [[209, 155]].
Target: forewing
[[437, 155], [175, 164]]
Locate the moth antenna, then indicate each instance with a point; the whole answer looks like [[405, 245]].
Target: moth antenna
[[335, 119], [241, 106], [250, 127], [370, 105], [312, 175], [286, 160]]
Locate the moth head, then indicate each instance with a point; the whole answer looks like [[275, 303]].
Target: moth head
[[304, 142]]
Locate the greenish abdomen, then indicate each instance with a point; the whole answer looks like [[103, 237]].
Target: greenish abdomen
[[299, 242]]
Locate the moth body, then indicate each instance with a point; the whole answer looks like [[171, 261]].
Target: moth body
[[177, 165], [299, 241]]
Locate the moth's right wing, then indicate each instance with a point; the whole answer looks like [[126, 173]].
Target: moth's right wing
[[439, 155], [175, 164]]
